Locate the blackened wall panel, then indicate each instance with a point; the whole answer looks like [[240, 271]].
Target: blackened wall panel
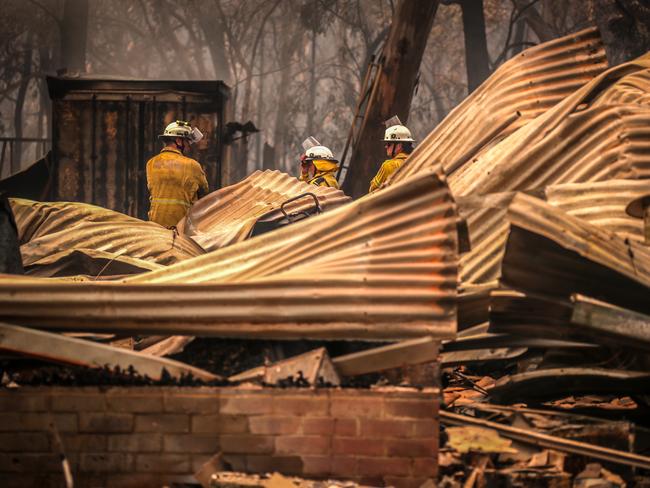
[[105, 131]]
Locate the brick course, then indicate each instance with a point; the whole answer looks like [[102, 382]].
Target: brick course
[[151, 436]]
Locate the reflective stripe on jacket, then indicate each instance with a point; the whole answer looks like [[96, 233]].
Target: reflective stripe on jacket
[[174, 182], [388, 167]]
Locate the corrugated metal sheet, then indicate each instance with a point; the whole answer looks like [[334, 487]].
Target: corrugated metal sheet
[[602, 203], [583, 138], [519, 91], [549, 257], [48, 228], [88, 262], [552, 253], [228, 215], [599, 203], [383, 267]]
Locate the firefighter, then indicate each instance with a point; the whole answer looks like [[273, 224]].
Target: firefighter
[[317, 165], [399, 144], [174, 180]]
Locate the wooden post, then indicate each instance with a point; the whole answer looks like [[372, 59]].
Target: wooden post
[[401, 56]]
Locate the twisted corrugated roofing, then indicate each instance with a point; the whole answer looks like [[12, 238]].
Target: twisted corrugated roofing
[[600, 203], [551, 256], [383, 267], [47, 228], [572, 256], [228, 215], [520, 90], [600, 132]]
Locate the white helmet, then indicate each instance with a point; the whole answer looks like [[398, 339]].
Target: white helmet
[[182, 129], [319, 152], [396, 132], [314, 150]]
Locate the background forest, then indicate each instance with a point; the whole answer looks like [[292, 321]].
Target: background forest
[[295, 66]]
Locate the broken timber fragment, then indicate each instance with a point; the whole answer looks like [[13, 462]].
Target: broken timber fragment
[[68, 350], [402, 238], [411, 352], [313, 366], [482, 356], [607, 323], [550, 442]]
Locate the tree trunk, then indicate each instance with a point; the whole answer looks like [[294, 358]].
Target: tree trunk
[[213, 30], [311, 106], [534, 20], [625, 28], [518, 39], [74, 29], [259, 138], [402, 55], [25, 78], [476, 54]]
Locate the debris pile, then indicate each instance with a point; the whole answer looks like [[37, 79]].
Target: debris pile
[[541, 325], [553, 310]]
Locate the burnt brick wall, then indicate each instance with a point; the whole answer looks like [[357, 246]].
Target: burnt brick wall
[[147, 436]]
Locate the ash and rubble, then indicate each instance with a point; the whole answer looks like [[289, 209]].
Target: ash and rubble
[[539, 344]]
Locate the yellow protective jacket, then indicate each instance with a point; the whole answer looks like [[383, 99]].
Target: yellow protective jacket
[[174, 182], [325, 174], [388, 167]]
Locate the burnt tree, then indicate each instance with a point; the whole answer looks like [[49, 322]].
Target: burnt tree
[[625, 28], [476, 53], [400, 64], [74, 29]]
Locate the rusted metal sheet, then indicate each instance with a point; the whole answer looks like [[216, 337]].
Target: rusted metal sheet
[[599, 203], [583, 138], [228, 215], [47, 228], [552, 253], [68, 350], [383, 267], [105, 130], [602, 203], [88, 262], [530, 315], [519, 91], [609, 324]]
